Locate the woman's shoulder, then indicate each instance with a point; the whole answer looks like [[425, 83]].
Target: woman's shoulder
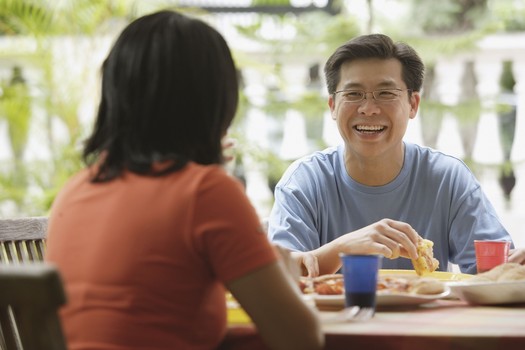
[[207, 176]]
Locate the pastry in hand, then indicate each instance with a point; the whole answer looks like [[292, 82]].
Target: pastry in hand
[[425, 263]]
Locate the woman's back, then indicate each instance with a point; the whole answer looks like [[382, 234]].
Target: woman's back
[[145, 257]]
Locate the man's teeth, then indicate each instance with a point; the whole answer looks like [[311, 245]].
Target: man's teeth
[[369, 127]]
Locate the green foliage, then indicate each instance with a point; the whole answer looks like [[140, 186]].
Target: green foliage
[[52, 176], [53, 17], [32, 185], [90, 16], [319, 34], [276, 103], [311, 104], [465, 111], [28, 17], [449, 16], [275, 166], [510, 13], [13, 184], [433, 47], [15, 108], [507, 81], [435, 28]]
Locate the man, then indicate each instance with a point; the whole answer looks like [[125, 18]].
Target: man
[[376, 194]]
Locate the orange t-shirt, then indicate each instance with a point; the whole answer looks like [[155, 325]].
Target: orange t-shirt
[[144, 259]]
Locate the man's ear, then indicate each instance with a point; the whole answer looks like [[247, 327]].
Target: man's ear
[[415, 99], [331, 104]]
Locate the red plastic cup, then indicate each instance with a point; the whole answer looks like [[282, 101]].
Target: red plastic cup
[[490, 254]]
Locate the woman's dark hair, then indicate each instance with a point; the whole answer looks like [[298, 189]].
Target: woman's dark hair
[[376, 46], [169, 93]]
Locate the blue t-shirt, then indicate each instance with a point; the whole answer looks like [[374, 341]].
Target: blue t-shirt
[[317, 201]]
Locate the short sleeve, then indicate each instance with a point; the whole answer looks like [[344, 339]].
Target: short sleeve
[[228, 233]]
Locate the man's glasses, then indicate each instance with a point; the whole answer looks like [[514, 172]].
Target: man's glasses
[[384, 95]]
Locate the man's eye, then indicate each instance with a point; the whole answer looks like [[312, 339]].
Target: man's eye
[[353, 94], [386, 94]]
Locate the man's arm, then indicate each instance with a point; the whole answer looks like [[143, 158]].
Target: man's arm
[[386, 237]]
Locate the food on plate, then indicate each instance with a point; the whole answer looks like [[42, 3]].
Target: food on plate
[[425, 263], [410, 285], [325, 285], [427, 286], [393, 284], [502, 273], [333, 285], [516, 274]]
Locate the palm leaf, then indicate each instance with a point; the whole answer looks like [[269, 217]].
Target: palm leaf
[[26, 17]]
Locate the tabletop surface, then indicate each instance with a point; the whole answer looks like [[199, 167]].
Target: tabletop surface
[[442, 317], [442, 324]]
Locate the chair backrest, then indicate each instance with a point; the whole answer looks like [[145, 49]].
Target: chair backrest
[[30, 296], [22, 240]]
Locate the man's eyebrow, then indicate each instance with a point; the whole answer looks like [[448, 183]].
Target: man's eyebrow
[[352, 86], [388, 84]]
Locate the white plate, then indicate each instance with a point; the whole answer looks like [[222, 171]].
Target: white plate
[[439, 275], [409, 299], [487, 293], [383, 299]]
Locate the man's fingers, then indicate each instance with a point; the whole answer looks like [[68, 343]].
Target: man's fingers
[[311, 265], [396, 252], [403, 234], [517, 256]]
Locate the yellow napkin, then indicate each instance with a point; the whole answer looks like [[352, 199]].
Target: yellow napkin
[[236, 315]]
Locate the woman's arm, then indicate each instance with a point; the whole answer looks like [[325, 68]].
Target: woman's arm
[[273, 300]]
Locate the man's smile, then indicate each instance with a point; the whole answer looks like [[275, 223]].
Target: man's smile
[[369, 129]]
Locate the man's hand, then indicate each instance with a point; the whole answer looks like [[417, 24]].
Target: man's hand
[[307, 262], [386, 237], [517, 256]]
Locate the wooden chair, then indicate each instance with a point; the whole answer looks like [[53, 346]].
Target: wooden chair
[[22, 240], [30, 296]]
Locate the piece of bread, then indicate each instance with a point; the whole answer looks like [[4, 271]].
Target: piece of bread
[[495, 273], [425, 285], [515, 274], [425, 263]]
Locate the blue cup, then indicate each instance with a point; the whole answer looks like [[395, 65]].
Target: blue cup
[[360, 279]]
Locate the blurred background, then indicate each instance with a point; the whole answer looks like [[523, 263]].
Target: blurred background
[[473, 104]]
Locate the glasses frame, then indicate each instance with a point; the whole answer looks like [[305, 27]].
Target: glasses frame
[[365, 93]]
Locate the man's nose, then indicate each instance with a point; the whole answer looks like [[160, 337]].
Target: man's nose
[[368, 106], [371, 96]]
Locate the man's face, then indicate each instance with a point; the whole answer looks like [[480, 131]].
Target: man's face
[[372, 128]]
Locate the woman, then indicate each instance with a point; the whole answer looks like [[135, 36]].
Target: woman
[[147, 236]]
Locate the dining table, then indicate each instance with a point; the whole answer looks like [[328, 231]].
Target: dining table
[[441, 324]]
